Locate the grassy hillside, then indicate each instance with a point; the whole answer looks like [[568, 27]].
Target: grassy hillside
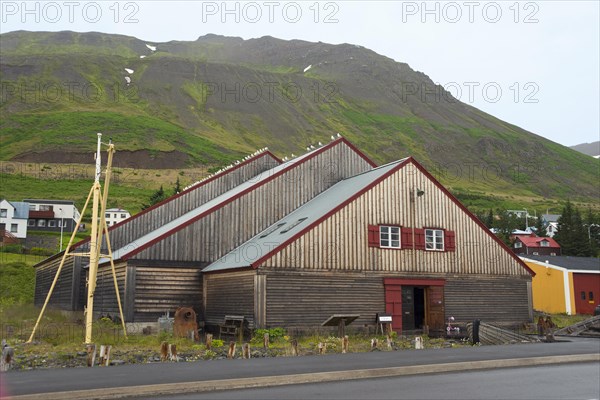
[[208, 102]]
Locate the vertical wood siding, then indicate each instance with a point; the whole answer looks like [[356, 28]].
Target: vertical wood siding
[[155, 218], [225, 229], [229, 294], [341, 241], [105, 299]]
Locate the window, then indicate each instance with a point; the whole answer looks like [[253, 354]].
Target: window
[[52, 223], [535, 253], [107, 215], [41, 222], [3, 212], [582, 295], [45, 207], [123, 216], [591, 296], [518, 245], [389, 236], [115, 216], [15, 227], [32, 207], [434, 239], [31, 222], [544, 243]]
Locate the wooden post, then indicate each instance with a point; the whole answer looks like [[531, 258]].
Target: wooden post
[[419, 343], [8, 357], [322, 348], [164, 351], [390, 343], [173, 353], [231, 352], [342, 328], [345, 344], [246, 351], [91, 354], [294, 347], [266, 341], [373, 344], [209, 338], [104, 356]]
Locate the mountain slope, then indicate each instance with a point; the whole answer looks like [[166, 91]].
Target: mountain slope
[[214, 99]]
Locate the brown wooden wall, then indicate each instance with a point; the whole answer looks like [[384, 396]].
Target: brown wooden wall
[[297, 299], [140, 225], [105, 299], [340, 242], [70, 287], [223, 230], [229, 294]]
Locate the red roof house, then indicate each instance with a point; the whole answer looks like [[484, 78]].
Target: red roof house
[[537, 246]]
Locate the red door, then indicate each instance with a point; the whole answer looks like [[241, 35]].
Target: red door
[[587, 290], [393, 305]]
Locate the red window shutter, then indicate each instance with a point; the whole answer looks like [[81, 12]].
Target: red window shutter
[[449, 241], [407, 238], [373, 236], [420, 239]]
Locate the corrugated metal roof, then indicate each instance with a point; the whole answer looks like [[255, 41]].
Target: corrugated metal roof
[[568, 262], [284, 229], [21, 209], [172, 225]]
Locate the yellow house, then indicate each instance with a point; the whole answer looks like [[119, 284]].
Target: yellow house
[[565, 284]]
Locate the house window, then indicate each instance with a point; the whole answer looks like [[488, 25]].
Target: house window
[[591, 296], [45, 208], [32, 207], [123, 216], [389, 236], [31, 222], [535, 253], [518, 245], [3, 212], [544, 243], [15, 227], [582, 295], [115, 216], [107, 215], [41, 222], [434, 239], [51, 223]]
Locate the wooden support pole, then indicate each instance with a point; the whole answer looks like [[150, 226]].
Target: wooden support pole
[[246, 351], [294, 347], [164, 351], [322, 348], [231, 352], [345, 344], [209, 339], [91, 354], [266, 341]]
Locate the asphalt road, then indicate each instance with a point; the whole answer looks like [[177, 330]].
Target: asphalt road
[[57, 380], [570, 381]]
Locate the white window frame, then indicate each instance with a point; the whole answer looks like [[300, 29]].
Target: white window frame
[[14, 228], [518, 245], [41, 223], [434, 239], [3, 212], [31, 222], [544, 243], [52, 223], [390, 235]]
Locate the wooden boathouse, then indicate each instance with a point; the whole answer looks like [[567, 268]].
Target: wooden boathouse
[[291, 243]]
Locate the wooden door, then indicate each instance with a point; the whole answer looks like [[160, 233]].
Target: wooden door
[[587, 290], [408, 308], [393, 305], [435, 315]]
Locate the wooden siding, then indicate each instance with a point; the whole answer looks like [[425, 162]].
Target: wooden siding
[[70, 284], [503, 300], [223, 230], [305, 299], [142, 224], [341, 241], [158, 290], [105, 299], [229, 294]]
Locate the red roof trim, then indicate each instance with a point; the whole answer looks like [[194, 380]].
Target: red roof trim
[[237, 196], [175, 196], [270, 254], [257, 263]]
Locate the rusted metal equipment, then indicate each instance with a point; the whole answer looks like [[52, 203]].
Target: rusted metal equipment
[[185, 322], [589, 327]]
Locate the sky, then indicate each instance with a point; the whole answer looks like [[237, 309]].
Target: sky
[[535, 64]]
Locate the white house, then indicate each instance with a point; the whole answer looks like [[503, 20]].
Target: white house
[[116, 215], [13, 218], [52, 215]]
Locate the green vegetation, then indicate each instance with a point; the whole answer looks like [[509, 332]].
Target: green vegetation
[[17, 283]]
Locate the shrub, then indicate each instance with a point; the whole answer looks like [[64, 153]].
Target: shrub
[[217, 343], [40, 251], [274, 333], [12, 248]]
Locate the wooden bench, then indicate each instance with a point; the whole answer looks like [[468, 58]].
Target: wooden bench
[[233, 325]]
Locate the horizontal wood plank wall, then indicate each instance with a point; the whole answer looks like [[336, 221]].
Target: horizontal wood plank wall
[[341, 243], [225, 229], [500, 300], [62, 295], [159, 290], [105, 299], [155, 218], [296, 300], [229, 294]]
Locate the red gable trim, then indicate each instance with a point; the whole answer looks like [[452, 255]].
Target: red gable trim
[[275, 250], [401, 165], [237, 196]]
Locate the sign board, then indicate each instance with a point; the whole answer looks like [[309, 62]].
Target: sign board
[[384, 319]]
